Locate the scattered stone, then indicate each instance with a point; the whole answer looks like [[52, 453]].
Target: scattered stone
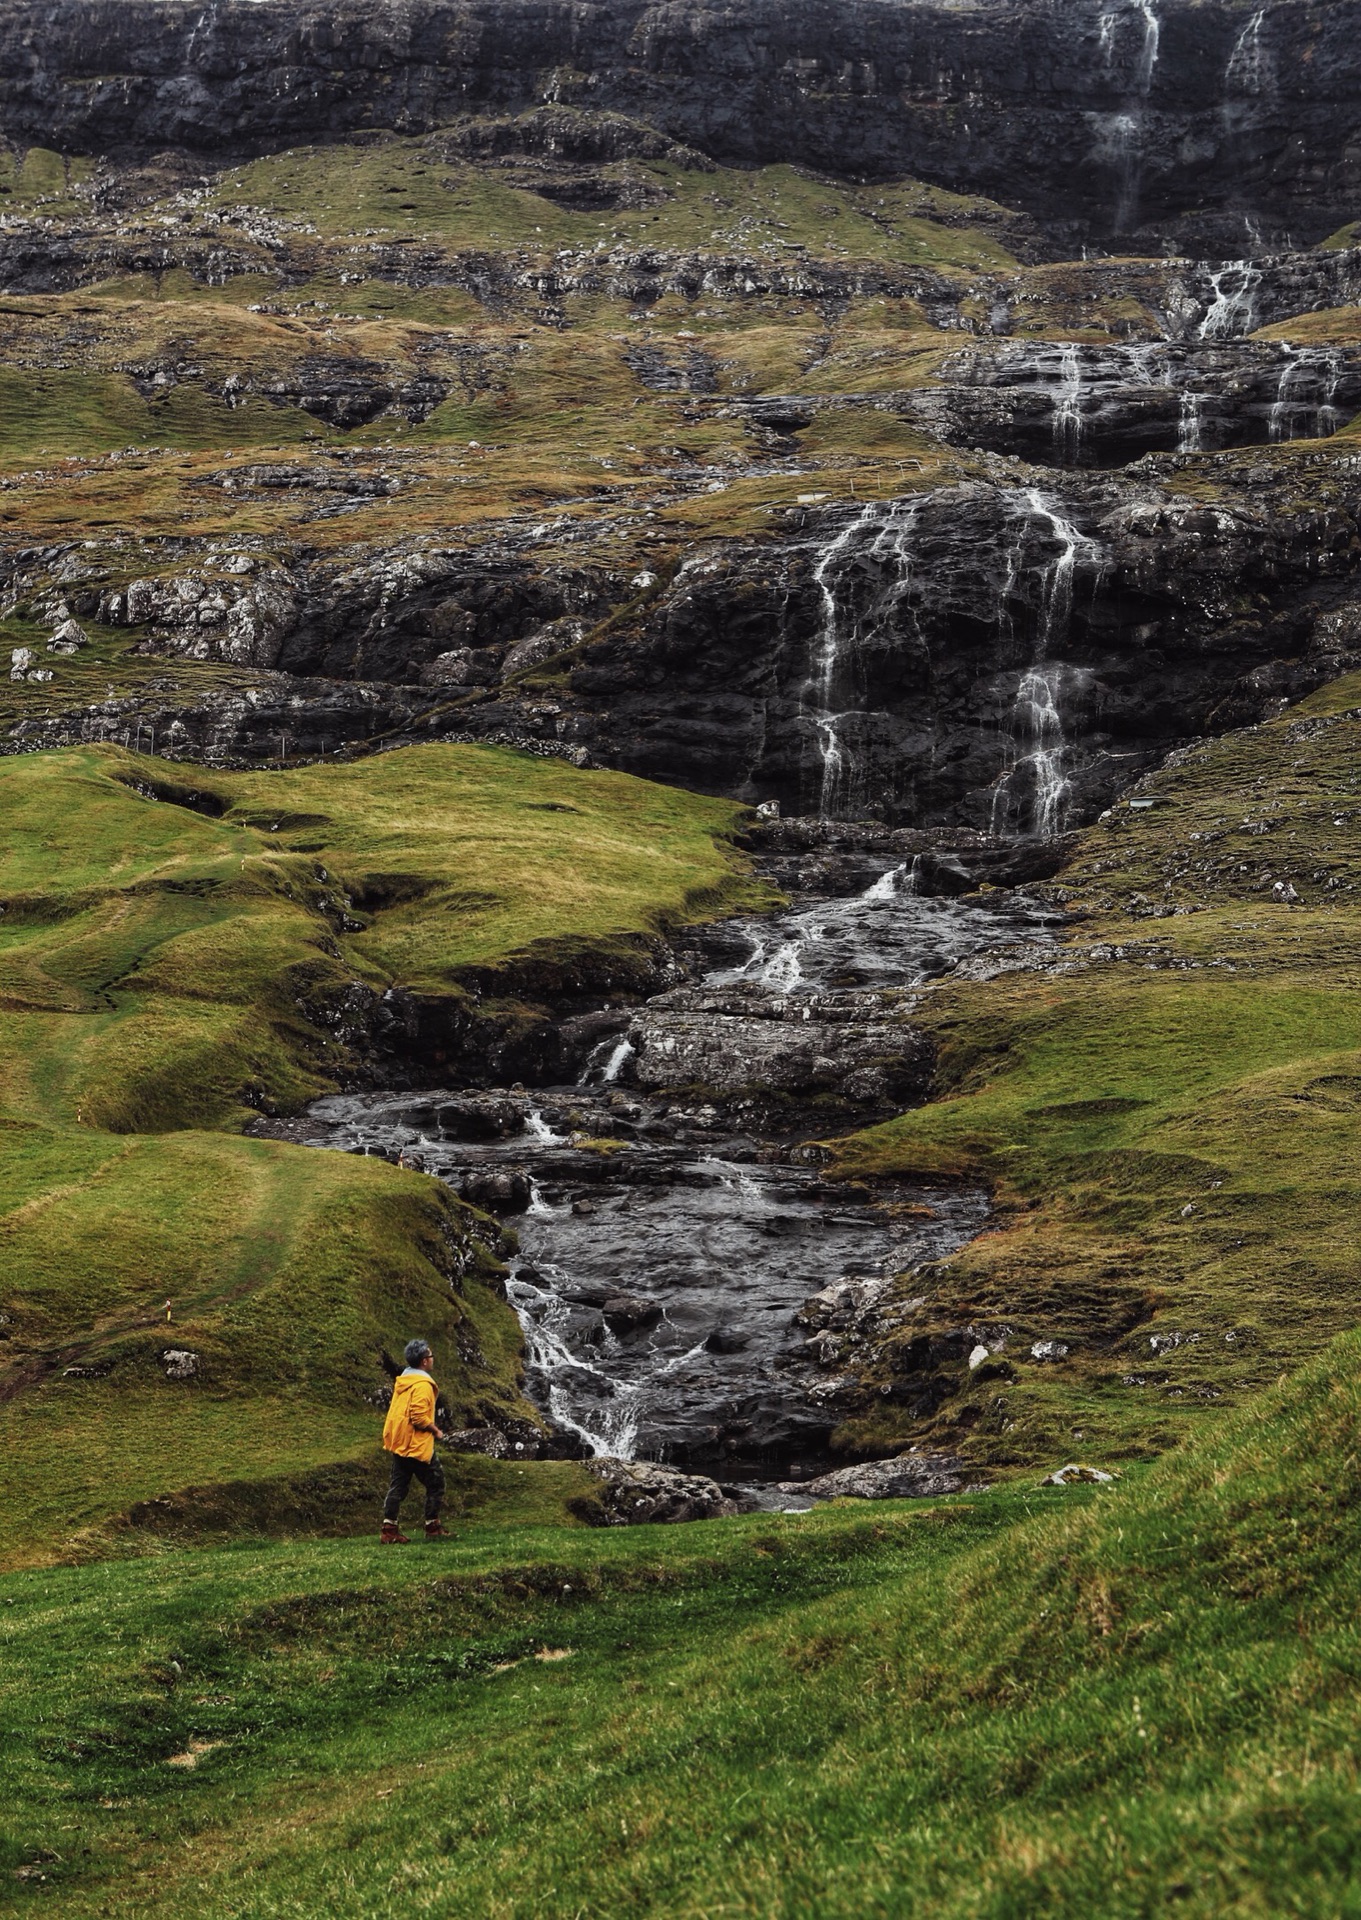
[[69, 637], [20, 660], [1050, 1350], [1074, 1475]]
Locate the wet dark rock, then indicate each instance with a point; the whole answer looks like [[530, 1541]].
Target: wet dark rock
[[479, 1117], [627, 1313], [1001, 657], [1172, 129], [911, 1476], [497, 1190], [726, 1339], [1078, 405], [637, 1493], [691, 1039]]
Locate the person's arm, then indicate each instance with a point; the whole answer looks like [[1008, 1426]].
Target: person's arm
[[426, 1422]]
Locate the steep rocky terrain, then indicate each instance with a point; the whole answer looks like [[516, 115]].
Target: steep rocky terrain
[[683, 709], [722, 403]]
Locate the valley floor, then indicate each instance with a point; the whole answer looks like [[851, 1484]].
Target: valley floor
[[1132, 1700]]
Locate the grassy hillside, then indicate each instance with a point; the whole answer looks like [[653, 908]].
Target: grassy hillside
[[1132, 1701], [1169, 1113], [180, 950]]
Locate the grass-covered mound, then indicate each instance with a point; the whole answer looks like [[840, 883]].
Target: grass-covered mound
[[180, 950], [1134, 1703], [1170, 1117]]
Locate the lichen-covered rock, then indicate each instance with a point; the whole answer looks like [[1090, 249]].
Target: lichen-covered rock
[[637, 1493], [911, 1476]]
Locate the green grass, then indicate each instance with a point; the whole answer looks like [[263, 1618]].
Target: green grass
[[404, 186], [174, 947], [1134, 1702], [1170, 1124]]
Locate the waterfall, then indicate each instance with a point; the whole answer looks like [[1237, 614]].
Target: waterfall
[[1068, 410], [1250, 70], [1306, 395], [1232, 311], [1191, 438], [606, 1061], [1030, 792], [879, 538], [1124, 130], [1056, 598], [1148, 53]]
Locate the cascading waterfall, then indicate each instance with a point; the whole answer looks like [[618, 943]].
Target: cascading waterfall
[[1124, 130], [1250, 72], [1232, 311], [1031, 791], [1191, 436], [1068, 410], [1306, 407], [878, 539]]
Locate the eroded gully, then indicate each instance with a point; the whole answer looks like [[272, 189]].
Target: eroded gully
[[680, 1252]]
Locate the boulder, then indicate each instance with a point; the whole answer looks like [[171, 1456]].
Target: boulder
[[495, 1189], [636, 1493], [179, 1363], [911, 1476], [1074, 1475], [629, 1312], [69, 637]]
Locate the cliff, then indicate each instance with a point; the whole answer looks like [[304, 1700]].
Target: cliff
[[1211, 127]]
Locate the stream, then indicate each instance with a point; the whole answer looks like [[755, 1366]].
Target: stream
[[664, 1251]]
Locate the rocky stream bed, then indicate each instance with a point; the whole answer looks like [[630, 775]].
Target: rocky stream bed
[[686, 1274]]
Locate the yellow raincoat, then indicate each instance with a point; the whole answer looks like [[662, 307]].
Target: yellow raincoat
[[411, 1411]]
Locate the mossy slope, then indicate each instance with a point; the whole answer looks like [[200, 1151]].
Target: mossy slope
[[1135, 1703], [1169, 1114], [178, 951]]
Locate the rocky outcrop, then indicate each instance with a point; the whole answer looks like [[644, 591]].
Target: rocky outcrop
[[1074, 405], [997, 655], [1179, 118], [728, 1042]]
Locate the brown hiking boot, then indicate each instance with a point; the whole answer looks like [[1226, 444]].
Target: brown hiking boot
[[434, 1530], [392, 1535]]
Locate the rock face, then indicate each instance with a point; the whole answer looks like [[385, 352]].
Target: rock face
[[1105, 120], [1001, 656], [1071, 405]]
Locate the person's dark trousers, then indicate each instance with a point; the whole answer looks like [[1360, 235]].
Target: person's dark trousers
[[431, 1476]]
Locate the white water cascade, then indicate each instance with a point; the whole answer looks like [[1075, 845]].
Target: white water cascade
[[1251, 71], [1306, 407], [1232, 311], [1068, 409], [1124, 130], [1032, 789], [877, 543], [1191, 434]]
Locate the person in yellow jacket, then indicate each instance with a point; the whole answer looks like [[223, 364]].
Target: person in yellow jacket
[[409, 1435]]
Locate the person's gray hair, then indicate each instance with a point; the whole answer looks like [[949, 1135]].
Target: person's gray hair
[[415, 1351]]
